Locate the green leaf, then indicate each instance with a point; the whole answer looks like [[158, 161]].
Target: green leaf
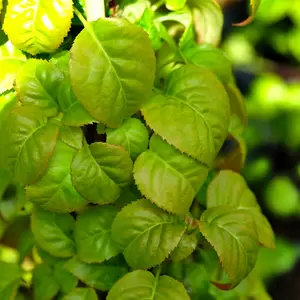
[[93, 234], [74, 113], [10, 276], [53, 232], [61, 61], [82, 294], [66, 281], [175, 4], [55, 191], [37, 26], [44, 285], [233, 235], [146, 233], [100, 170], [193, 114], [27, 143], [72, 136], [133, 12], [114, 79], [211, 58], [167, 177], [132, 135], [99, 276], [208, 20], [254, 6], [25, 244], [142, 284], [185, 248], [37, 83], [229, 188], [11, 60]]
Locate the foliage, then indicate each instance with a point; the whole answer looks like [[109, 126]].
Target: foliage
[[114, 171]]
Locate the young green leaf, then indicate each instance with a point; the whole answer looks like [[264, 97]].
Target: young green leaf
[[11, 60], [208, 19], [10, 278], [175, 4], [99, 276], [81, 294], [37, 26], [167, 177], [193, 114], [53, 232], [132, 135], [27, 143], [44, 285], [233, 235], [37, 83], [93, 234], [74, 113], [211, 58], [55, 191], [185, 248], [100, 170], [113, 79], [72, 136], [142, 284], [229, 188], [146, 233]]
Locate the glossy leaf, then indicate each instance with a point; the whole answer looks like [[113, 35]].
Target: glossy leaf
[[254, 6], [55, 191], [100, 170], [146, 233], [37, 26], [81, 294], [208, 19], [211, 58], [53, 232], [37, 83], [233, 235], [27, 143], [112, 80], [229, 188], [93, 234], [10, 278], [175, 4], [99, 276], [193, 114], [142, 284], [74, 113], [167, 177], [11, 60], [44, 285], [132, 135], [185, 248]]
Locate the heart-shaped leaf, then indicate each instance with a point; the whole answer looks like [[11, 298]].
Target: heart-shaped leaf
[[100, 170], [114, 79], [53, 232], [37, 26], [146, 233], [81, 294], [233, 235], [229, 188], [193, 114], [55, 191], [142, 284], [167, 177], [93, 234], [132, 135]]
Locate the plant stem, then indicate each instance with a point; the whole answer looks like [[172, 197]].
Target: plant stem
[[95, 9], [157, 5]]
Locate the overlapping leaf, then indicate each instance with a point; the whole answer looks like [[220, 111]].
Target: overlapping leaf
[[100, 170], [93, 234], [167, 177], [193, 114], [112, 78], [37, 26], [55, 191], [229, 188], [146, 233], [142, 284], [233, 235]]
